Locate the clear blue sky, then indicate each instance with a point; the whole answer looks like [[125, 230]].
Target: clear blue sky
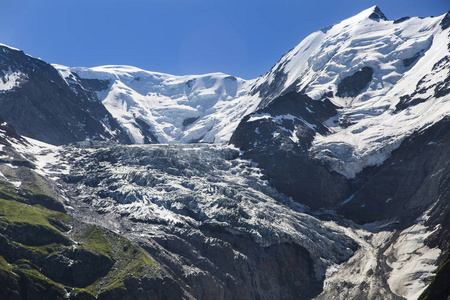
[[243, 38]]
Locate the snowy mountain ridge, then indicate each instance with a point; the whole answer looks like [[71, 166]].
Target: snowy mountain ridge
[[390, 58], [366, 65], [287, 210]]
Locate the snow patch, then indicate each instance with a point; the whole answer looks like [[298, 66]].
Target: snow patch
[[10, 79], [412, 262]]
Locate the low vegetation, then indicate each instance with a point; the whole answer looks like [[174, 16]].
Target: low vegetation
[[46, 254]]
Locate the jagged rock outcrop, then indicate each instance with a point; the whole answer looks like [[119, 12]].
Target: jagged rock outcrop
[[352, 85], [278, 138], [414, 179]]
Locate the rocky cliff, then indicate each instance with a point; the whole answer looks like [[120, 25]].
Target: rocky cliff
[[329, 178], [42, 105]]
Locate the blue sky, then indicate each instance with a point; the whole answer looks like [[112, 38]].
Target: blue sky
[[242, 38]]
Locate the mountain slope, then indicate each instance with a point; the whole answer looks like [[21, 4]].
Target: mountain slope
[[41, 105], [355, 119], [47, 253], [386, 79], [160, 108], [368, 67], [228, 241], [339, 188], [221, 230]]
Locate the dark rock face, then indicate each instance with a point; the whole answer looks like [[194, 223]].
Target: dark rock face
[[400, 20], [441, 88], [94, 84], [279, 143], [267, 91], [189, 121], [77, 268], [439, 287], [41, 105], [377, 14], [445, 23], [409, 61], [9, 136], [8, 132], [33, 235], [277, 272], [352, 85], [149, 137], [416, 176]]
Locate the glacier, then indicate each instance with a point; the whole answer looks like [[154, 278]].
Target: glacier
[[214, 219], [178, 109], [208, 108]]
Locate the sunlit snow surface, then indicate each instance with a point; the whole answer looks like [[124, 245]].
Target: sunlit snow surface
[[10, 79], [179, 109], [405, 263], [320, 62], [208, 108], [411, 269]]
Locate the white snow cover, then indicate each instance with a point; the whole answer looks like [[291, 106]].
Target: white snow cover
[[320, 62], [412, 262], [210, 105], [43, 154], [10, 79], [12, 48]]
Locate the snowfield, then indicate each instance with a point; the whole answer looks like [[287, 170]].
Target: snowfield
[[179, 109], [207, 108], [404, 58]]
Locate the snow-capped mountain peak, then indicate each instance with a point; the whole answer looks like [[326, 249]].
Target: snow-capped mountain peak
[[294, 212], [367, 66]]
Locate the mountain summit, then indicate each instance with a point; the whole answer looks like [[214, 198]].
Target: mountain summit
[[376, 14], [326, 178]]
